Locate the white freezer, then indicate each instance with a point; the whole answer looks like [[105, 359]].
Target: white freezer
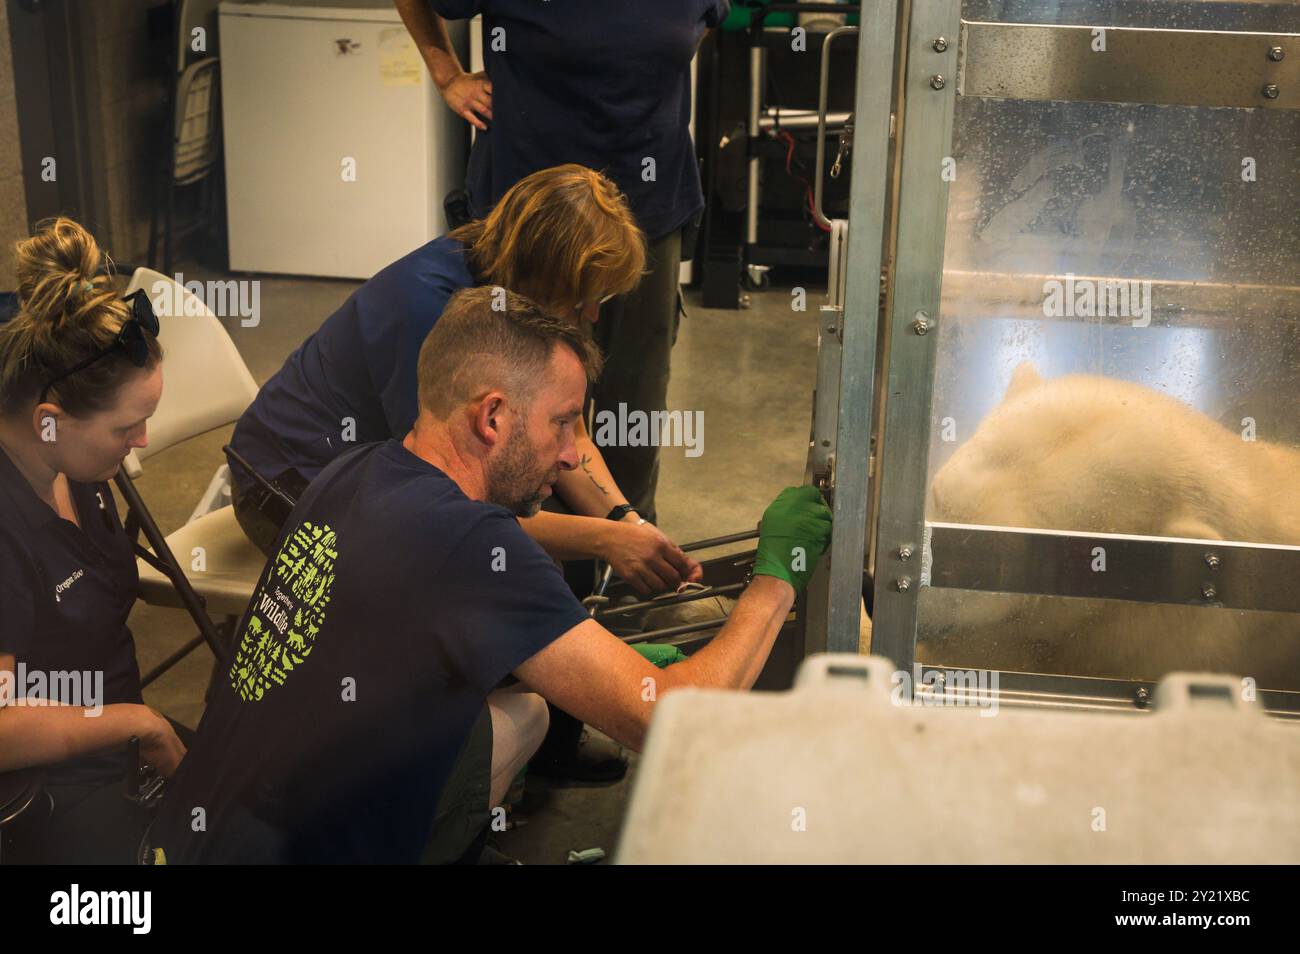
[[339, 150]]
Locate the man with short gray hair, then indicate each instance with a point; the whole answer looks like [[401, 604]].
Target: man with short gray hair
[[404, 592]]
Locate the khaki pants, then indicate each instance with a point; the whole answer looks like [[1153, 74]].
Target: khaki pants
[[464, 807]]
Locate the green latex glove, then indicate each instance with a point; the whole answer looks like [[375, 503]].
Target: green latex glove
[[659, 654], [793, 534]]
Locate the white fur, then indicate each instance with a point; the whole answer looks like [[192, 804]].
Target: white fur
[[1095, 454]]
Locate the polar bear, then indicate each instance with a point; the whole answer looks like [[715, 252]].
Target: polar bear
[[1095, 454]]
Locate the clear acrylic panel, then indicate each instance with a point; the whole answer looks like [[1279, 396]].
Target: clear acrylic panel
[[1140, 266]]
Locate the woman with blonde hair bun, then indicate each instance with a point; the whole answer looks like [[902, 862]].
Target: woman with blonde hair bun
[[80, 374]]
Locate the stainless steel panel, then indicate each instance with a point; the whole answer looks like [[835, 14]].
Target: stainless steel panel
[[1212, 574], [1071, 693], [1104, 63], [1254, 16]]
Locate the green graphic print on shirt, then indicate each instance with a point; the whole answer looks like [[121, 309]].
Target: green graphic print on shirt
[[287, 612]]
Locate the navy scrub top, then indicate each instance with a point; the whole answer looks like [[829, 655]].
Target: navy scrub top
[[65, 594], [603, 83], [360, 367]]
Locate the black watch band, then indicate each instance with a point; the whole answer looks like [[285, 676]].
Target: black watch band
[[621, 511]]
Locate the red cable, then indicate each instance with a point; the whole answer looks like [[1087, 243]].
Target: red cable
[[812, 206]]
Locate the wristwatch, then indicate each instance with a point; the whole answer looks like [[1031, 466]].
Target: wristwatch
[[621, 511]]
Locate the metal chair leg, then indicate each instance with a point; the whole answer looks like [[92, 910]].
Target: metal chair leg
[[192, 601]]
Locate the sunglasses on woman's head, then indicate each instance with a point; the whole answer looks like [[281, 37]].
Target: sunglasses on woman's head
[[130, 339]]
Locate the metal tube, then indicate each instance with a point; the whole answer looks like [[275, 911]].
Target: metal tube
[[687, 640], [755, 108], [265, 484], [774, 118], [706, 544], [192, 601], [801, 7], [824, 82], [710, 542], [672, 601], [597, 597], [682, 630]]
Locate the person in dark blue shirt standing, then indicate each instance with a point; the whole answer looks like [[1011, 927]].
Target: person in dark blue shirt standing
[[606, 85], [403, 593]]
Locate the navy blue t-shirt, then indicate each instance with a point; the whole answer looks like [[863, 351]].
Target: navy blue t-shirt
[[394, 605], [603, 83], [65, 595], [353, 381]]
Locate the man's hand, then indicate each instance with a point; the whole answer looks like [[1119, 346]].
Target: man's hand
[[159, 744], [793, 534], [469, 95], [648, 560]]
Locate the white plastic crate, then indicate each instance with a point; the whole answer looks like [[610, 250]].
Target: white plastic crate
[[835, 771]]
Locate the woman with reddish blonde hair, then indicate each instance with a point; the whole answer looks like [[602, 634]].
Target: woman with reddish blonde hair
[[563, 237]]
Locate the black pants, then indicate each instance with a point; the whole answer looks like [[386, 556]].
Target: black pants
[[87, 824], [262, 515], [457, 835], [78, 825], [637, 333]]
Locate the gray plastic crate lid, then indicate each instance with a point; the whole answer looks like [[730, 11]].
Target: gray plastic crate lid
[[834, 771]]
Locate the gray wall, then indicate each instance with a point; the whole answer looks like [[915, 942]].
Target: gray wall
[[116, 77], [13, 202], [125, 102]]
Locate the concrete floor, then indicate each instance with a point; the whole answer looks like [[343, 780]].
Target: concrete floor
[[750, 371]]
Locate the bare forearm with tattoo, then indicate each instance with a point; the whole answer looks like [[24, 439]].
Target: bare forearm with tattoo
[[592, 477], [590, 490]]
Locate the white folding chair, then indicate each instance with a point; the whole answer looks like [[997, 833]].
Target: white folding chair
[[194, 150], [205, 385], [190, 14]]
